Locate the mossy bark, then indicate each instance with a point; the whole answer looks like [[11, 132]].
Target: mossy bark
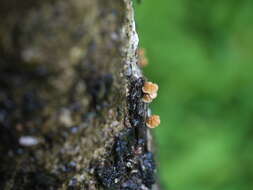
[[71, 115]]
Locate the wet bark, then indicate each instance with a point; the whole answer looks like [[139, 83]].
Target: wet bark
[[71, 115]]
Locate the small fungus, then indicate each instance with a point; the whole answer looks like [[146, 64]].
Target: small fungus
[[146, 98], [153, 96], [150, 88], [150, 91], [153, 121], [143, 61]]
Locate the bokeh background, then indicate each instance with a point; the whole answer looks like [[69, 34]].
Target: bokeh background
[[200, 53]]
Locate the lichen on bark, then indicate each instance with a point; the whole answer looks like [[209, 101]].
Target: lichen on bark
[[71, 115]]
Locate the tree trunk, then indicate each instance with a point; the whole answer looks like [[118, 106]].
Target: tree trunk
[[71, 115]]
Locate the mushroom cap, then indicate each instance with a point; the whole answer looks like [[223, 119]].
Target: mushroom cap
[[153, 96], [153, 121], [146, 98], [143, 61], [150, 88], [141, 52]]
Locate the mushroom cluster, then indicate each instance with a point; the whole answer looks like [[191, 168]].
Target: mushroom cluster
[[149, 90]]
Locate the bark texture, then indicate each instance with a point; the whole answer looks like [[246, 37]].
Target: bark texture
[[71, 115]]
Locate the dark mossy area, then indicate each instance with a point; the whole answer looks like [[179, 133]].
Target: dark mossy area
[[69, 116]]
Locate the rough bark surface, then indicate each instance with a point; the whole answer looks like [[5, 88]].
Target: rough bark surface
[[71, 115]]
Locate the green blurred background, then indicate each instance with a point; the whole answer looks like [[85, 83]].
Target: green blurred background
[[200, 53]]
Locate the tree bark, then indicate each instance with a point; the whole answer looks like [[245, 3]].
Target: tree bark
[[71, 115]]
